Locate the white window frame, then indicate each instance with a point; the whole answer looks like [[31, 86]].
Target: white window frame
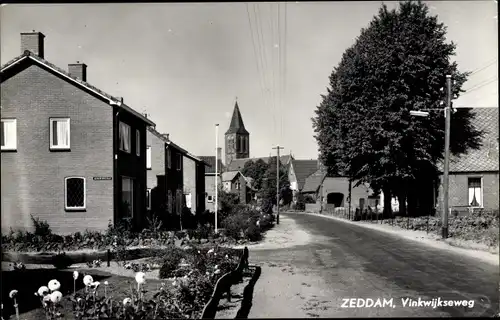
[[137, 142], [179, 162], [125, 125], [51, 134], [148, 199], [148, 158], [481, 203], [210, 199], [84, 207], [14, 146]]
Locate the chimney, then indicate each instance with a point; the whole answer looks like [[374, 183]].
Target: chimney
[[166, 135], [78, 70], [219, 153], [33, 42]]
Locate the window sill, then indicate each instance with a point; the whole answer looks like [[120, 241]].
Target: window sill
[[75, 209], [148, 169], [9, 150], [53, 149]]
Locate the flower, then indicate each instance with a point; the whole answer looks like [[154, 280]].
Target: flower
[[13, 294], [216, 267], [227, 257], [217, 271], [54, 285], [174, 283], [75, 275], [199, 251], [88, 280], [95, 284], [56, 296], [140, 277], [127, 301], [106, 283], [42, 291], [210, 251], [46, 298], [207, 273]]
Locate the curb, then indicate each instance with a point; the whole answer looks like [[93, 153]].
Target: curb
[[484, 256]]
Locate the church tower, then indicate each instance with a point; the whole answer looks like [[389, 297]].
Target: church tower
[[237, 138]]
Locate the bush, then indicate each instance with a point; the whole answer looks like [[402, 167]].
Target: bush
[[62, 261], [42, 228], [169, 260], [253, 233]]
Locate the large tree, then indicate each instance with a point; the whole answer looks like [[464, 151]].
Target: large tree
[[363, 125], [268, 190], [255, 170]]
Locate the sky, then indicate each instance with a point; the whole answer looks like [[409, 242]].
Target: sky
[[184, 64]]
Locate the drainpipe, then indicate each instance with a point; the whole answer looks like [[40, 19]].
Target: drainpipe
[[116, 141]]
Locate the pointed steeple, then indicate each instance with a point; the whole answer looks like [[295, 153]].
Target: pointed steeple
[[236, 125]]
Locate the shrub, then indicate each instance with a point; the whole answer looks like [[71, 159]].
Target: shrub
[[253, 233], [62, 261], [169, 260], [42, 228]]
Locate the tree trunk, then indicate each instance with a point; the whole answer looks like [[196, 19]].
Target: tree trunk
[[403, 210], [387, 202]]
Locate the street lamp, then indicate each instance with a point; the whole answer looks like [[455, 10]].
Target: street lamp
[[446, 169]]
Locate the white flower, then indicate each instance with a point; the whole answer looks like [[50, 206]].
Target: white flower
[[140, 277], [106, 283], [216, 267], [217, 271], [227, 257], [56, 296], [13, 294], [185, 277], [210, 251], [75, 275], [174, 283], [42, 291], [127, 301], [46, 299], [207, 273], [54, 285], [88, 280], [95, 284], [199, 251]]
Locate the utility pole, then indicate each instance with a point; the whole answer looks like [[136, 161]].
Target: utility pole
[[216, 173], [447, 119], [278, 183]]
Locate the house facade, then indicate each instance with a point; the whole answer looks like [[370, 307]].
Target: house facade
[[209, 179], [70, 154], [474, 177], [235, 182], [298, 171]]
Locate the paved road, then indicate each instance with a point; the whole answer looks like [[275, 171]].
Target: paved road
[[347, 261]]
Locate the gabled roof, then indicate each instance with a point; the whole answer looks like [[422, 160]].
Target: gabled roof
[[238, 164], [229, 175], [210, 168], [236, 125], [313, 182], [484, 159], [303, 169], [29, 56]]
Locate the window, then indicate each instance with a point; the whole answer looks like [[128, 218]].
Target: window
[[127, 197], [138, 143], [179, 162], [238, 144], [148, 157], [9, 134], [75, 195], [475, 192], [237, 186], [148, 199], [210, 199], [169, 158], [124, 133], [59, 134]]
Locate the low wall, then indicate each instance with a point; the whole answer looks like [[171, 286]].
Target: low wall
[[313, 207]]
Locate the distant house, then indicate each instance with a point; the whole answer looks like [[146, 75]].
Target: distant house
[[474, 177], [236, 182], [298, 171], [174, 177], [71, 154], [210, 175], [239, 164]]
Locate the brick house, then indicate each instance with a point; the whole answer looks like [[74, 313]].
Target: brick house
[[209, 178], [236, 182], [298, 171], [474, 177], [71, 154], [175, 177]]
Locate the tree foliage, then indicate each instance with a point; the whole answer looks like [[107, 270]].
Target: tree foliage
[[255, 170], [363, 125]]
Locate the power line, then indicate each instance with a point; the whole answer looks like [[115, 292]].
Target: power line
[[479, 86], [484, 67], [285, 64]]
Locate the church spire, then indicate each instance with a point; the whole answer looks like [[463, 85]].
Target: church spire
[[236, 125]]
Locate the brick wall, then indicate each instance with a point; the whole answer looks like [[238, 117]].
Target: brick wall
[[33, 177], [189, 180], [210, 191], [458, 190]]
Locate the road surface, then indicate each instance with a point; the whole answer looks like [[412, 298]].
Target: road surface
[[343, 261]]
